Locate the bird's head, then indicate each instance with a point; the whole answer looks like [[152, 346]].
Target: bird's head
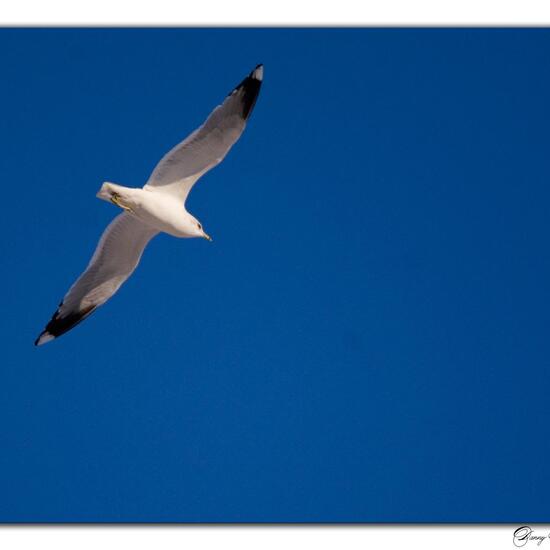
[[198, 230]]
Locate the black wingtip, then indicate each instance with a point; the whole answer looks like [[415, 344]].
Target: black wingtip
[[250, 88], [60, 325]]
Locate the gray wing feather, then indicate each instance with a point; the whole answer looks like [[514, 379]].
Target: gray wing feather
[[115, 258], [206, 147]]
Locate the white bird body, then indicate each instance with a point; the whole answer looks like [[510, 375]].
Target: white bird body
[[158, 207]]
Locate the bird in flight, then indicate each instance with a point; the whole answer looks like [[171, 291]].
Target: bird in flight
[[157, 207]]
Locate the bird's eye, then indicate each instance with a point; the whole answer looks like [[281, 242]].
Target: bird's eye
[[200, 226]]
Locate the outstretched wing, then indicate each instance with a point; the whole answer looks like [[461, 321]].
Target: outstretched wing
[[180, 168], [115, 258]]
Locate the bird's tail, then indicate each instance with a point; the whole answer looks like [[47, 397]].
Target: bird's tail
[[107, 190]]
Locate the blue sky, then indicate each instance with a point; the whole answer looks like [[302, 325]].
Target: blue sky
[[366, 339]]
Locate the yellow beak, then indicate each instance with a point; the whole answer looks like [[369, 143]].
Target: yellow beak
[[207, 237]]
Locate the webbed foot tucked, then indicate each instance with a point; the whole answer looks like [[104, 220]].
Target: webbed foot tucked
[[115, 199]]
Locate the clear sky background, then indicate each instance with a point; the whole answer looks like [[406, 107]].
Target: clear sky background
[[366, 339]]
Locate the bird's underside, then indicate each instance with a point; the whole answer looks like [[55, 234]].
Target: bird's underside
[[124, 240]]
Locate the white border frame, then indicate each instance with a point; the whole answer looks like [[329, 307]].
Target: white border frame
[[403, 537], [282, 12]]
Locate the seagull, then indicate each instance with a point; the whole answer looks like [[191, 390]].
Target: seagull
[[159, 206]]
